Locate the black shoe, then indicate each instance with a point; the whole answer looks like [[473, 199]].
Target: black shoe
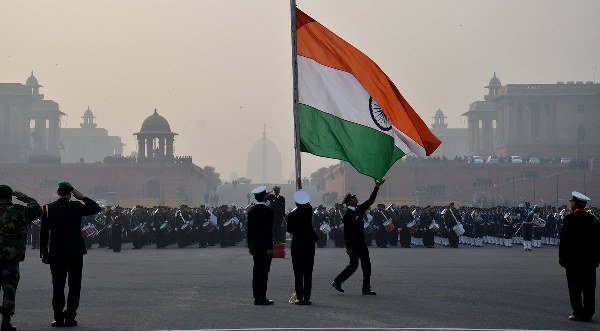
[[303, 302], [70, 322], [57, 323], [581, 319], [265, 302], [6, 326], [337, 286], [368, 292]]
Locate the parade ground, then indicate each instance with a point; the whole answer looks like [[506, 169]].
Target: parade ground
[[488, 288]]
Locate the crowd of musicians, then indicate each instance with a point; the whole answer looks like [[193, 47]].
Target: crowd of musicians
[[384, 226]]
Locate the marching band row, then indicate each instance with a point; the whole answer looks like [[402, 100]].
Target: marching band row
[[404, 226]]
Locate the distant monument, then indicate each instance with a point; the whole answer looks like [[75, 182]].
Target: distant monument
[[455, 141], [88, 142], [264, 161]]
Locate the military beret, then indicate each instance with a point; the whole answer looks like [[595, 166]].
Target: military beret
[[64, 185], [6, 191]]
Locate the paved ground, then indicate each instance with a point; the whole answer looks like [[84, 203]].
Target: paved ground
[[466, 288]]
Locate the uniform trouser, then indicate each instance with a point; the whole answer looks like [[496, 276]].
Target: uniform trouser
[[380, 237], [260, 274], [9, 281], [453, 239], [582, 280], [428, 238], [361, 254], [393, 237], [60, 269], [202, 237], [303, 260], [405, 238], [277, 230], [322, 242]]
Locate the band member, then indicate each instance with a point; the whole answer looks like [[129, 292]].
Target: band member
[[508, 229], [63, 248], [304, 236], [378, 219], [320, 219], [579, 255], [527, 227], [405, 218], [451, 221], [14, 220], [278, 205], [260, 244], [354, 236]]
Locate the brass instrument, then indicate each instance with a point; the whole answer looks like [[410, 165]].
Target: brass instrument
[[538, 221]]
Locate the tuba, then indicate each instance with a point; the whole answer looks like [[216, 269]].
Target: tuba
[[538, 221]]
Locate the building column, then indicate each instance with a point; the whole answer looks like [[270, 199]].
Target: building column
[[161, 147], [149, 149], [39, 145], [53, 136], [141, 149], [169, 151], [487, 135]]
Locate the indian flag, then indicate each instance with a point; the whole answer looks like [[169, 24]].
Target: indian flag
[[349, 109]]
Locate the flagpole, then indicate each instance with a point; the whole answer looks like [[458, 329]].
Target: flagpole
[[295, 91]]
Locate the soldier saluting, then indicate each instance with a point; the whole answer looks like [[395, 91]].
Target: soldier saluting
[[62, 246], [14, 220]]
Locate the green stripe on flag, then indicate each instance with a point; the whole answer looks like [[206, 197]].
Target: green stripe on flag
[[371, 152]]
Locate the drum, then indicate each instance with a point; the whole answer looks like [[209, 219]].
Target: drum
[[208, 226], [165, 227], [412, 227], [368, 227], [187, 227], [140, 229], [229, 225], [89, 231], [458, 229], [388, 225], [434, 226], [325, 228]]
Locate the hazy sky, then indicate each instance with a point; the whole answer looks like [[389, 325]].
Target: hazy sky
[[220, 69]]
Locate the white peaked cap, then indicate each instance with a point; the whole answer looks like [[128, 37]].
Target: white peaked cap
[[301, 197], [259, 190], [580, 197]]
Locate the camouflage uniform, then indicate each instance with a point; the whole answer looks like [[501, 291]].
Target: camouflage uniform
[[14, 220]]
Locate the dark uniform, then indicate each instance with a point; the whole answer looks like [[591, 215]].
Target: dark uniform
[[63, 247], [260, 241], [354, 237], [579, 255], [278, 205], [14, 220], [304, 236]]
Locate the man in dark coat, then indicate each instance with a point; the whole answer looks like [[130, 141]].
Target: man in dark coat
[[260, 244], [580, 256], [354, 237], [304, 236], [277, 203], [62, 246]]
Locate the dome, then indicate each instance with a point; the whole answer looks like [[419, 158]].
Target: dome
[[439, 113], [88, 113], [32, 81], [260, 172], [155, 123], [495, 81]]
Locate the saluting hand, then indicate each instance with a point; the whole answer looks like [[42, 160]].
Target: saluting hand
[[78, 195], [19, 195]]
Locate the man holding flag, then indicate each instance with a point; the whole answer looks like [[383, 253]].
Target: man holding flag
[[354, 235]]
